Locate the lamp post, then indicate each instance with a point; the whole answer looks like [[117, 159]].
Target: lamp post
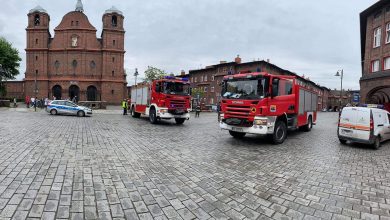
[[341, 74], [135, 84]]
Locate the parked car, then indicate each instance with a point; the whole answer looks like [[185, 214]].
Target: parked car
[[364, 125], [67, 107]]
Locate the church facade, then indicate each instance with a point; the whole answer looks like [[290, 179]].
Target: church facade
[[74, 62]]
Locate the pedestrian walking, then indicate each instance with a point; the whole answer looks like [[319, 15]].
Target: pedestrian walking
[[32, 102], [27, 101], [74, 100], [197, 111], [46, 102], [124, 106], [14, 102]]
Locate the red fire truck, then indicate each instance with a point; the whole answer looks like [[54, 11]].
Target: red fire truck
[[261, 103], [165, 98]]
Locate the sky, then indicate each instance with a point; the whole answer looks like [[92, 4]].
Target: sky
[[311, 38]]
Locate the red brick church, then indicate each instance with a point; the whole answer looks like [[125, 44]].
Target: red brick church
[[74, 62]]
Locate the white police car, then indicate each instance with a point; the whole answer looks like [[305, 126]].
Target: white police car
[[67, 107]]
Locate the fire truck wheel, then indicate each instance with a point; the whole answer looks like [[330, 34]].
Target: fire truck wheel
[[236, 134], [152, 116], [280, 133], [309, 125], [180, 121]]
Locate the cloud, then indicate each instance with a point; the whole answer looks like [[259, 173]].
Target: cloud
[[302, 36]]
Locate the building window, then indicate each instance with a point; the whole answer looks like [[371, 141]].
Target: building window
[[113, 59], [212, 89], [37, 20], [211, 101], [377, 15], [195, 79], [113, 72], [375, 66], [205, 89], [205, 78], [113, 42], [386, 63], [92, 64], [201, 78], [212, 78], [36, 57], [74, 63], [388, 33], [377, 37], [36, 41], [36, 72], [114, 21], [57, 64], [112, 92], [72, 23], [77, 23]]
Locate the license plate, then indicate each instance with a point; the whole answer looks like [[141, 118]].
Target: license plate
[[237, 129], [179, 111]]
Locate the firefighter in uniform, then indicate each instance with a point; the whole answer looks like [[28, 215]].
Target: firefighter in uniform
[[124, 106]]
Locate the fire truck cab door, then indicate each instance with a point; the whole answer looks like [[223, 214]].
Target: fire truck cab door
[[281, 100]]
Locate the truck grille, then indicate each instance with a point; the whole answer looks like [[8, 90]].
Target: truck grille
[[177, 104], [238, 111], [238, 122]]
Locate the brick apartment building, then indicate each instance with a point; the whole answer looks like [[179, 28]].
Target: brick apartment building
[[74, 62], [375, 53], [209, 79]]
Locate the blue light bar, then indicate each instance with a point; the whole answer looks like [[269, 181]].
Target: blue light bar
[[170, 77]]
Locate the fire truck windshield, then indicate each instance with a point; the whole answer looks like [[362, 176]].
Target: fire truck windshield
[[176, 88], [244, 89]]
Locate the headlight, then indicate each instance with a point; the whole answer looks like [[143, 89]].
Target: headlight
[[163, 111], [260, 122]]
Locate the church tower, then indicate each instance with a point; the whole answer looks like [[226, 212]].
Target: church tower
[[38, 37], [113, 37]]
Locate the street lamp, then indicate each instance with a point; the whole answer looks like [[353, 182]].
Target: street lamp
[[135, 85], [341, 74]]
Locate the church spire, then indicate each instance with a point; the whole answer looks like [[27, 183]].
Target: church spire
[[79, 6]]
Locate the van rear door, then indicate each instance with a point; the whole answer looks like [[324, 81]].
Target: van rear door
[[362, 126], [347, 122]]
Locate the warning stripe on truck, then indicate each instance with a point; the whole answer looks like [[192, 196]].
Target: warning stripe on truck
[[356, 127]]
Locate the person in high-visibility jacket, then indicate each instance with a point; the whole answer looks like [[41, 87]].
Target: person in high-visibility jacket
[[124, 106]]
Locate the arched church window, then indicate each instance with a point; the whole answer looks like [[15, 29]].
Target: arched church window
[[74, 63], [92, 64], [114, 21], [37, 20], [57, 64]]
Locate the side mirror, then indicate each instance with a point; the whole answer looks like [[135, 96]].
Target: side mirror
[[158, 88]]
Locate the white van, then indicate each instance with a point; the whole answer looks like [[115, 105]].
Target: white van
[[364, 125]]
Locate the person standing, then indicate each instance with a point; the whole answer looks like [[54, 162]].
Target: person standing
[[28, 101], [197, 111], [14, 102], [124, 106]]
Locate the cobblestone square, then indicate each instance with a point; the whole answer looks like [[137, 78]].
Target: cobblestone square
[[111, 166]]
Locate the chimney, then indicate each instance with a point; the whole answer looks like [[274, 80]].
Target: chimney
[[237, 59], [182, 73]]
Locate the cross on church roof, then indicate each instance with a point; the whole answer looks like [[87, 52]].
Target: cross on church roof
[[79, 6]]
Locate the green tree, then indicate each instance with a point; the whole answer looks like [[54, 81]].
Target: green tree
[[153, 73], [9, 63], [197, 92]]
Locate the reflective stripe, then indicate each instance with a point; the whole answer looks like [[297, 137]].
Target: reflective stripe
[[356, 127]]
